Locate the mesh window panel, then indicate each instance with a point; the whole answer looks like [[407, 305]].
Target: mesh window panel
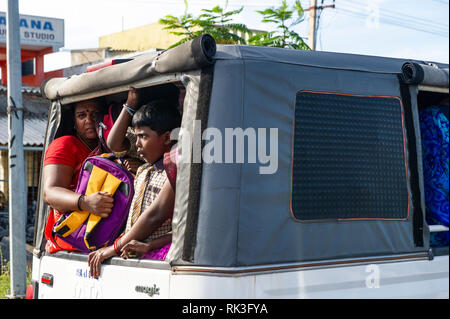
[[349, 158]]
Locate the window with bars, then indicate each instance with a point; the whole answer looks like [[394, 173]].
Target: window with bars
[[349, 158]]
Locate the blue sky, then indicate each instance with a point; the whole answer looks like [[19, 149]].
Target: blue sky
[[395, 28]]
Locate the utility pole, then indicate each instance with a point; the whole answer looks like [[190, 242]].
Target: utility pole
[[313, 21], [17, 190], [312, 25]]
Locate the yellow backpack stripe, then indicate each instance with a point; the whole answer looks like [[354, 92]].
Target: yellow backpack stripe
[[110, 185]]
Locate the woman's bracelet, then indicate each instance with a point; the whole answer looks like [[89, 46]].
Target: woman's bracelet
[[79, 202], [129, 110], [116, 246]]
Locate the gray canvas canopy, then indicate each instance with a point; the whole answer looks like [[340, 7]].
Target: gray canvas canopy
[[229, 214], [244, 217]]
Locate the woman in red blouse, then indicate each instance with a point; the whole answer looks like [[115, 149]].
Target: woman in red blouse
[[62, 164]]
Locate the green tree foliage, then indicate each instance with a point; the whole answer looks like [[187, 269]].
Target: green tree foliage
[[285, 19], [185, 26], [5, 277], [216, 21]]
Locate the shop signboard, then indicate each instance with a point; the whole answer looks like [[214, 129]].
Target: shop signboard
[[36, 31]]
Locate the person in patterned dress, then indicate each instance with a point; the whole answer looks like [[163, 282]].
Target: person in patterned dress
[[152, 124], [161, 209], [434, 125]]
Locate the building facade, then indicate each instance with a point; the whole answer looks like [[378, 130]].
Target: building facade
[[39, 36]]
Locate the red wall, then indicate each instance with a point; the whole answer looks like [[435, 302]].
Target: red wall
[[39, 76]]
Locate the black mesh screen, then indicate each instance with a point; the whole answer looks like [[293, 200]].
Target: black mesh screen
[[349, 157]]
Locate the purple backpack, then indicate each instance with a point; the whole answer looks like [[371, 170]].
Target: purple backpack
[[88, 232]]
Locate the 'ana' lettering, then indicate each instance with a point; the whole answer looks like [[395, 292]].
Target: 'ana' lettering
[[36, 24], [31, 24]]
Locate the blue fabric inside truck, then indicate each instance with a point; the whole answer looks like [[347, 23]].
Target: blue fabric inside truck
[[434, 130]]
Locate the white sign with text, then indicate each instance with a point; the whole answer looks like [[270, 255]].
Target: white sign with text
[[36, 31]]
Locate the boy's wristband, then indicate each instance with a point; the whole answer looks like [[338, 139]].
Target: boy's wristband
[[129, 110]]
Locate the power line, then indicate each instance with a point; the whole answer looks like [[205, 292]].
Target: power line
[[399, 16], [352, 8], [399, 20], [205, 2], [403, 16], [441, 1], [321, 7], [358, 15], [355, 14]]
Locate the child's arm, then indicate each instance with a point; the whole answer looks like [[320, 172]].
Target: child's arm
[[152, 217], [116, 138], [140, 248]]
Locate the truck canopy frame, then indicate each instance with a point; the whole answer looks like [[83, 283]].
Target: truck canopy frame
[[230, 215]]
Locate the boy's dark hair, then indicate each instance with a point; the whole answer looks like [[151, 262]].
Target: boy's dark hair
[[160, 115]]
